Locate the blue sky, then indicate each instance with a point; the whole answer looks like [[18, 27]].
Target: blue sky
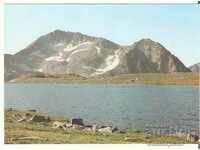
[[174, 26]]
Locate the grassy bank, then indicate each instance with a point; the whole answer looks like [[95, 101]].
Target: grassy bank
[[27, 132], [146, 78]]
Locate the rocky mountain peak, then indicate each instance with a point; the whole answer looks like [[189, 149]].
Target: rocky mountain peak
[[149, 56], [148, 44], [61, 52], [146, 40]]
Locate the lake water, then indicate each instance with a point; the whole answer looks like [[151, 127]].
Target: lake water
[[133, 106]]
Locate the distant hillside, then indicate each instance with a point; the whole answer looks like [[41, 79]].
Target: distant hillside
[[195, 68], [61, 52]]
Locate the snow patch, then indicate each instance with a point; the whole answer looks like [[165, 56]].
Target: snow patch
[[81, 45], [56, 58], [111, 62], [78, 48], [74, 52]]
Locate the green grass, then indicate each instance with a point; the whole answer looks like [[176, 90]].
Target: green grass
[[140, 78], [40, 133]]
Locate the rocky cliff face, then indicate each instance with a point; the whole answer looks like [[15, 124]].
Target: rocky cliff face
[[147, 56], [195, 68], [61, 52]]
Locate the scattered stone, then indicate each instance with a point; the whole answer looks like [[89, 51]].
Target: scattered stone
[[68, 125], [28, 115], [128, 139], [87, 129], [90, 128], [180, 134], [58, 124], [188, 137], [192, 138], [122, 131], [38, 118], [77, 121], [21, 120], [105, 130], [31, 118], [115, 129], [78, 127]]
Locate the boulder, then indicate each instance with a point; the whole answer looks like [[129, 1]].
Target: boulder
[[58, 124], [68, 125], [122, 131], [189, 137], [90, 128], [38, 118], [21, 119], [77, 121], [180, 134], [115, 129], [28, 115], [78, 127], [105, 130], [192, 138], [62, 125]]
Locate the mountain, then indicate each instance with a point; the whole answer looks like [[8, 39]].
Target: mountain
[[195, 68], [147, 56], [61, 52]]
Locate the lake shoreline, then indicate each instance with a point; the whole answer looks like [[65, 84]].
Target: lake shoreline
[[128, 79], [21, 132], [124, 106]]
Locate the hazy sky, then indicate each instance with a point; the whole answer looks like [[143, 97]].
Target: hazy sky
[[177, 27]]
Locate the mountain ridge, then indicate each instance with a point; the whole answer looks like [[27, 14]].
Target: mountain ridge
[[61, 52]]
